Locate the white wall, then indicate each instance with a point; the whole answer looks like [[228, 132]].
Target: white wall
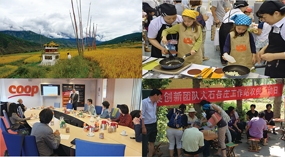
[[37, 99], [99, 92], [123, 92]]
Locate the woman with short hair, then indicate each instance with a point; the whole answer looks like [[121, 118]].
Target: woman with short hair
[[46, 140], [125, 118]]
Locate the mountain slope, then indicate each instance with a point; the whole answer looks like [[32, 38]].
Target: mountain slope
[[34, 37], [10, 45], [124, 38]]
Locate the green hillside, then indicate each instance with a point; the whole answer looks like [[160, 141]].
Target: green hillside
[[11, 45], [125, 38], [34, 37]]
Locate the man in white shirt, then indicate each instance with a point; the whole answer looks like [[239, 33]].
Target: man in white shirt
[[193, 140]]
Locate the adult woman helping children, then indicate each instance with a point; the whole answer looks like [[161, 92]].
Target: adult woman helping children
[[167, 19], [190, 37], [273, 13]]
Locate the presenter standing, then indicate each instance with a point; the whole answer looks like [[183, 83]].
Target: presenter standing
[[74, 98]]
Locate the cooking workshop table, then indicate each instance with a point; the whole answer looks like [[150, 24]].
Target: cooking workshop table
[[153, 74], [133, 148]]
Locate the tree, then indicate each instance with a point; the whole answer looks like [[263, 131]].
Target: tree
[[278, 101], [196, 84], [155, 83]]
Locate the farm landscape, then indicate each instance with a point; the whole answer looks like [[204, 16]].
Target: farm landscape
[[102, 53]]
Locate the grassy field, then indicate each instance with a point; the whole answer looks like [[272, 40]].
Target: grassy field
[[107, 61]]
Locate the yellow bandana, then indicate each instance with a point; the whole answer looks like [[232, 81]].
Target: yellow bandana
[[190, 13]]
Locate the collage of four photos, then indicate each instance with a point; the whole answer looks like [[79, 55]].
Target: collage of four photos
[[160, 78]]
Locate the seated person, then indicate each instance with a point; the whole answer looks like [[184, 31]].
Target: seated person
[[138, 127], [191, 116], [269, 116], [125, 118], [105, 113], [241, 124], [232, 124], [16, 121], [193, 140], [20, 101], [46, 140], [91, 108], [256, 127], [251, 113]]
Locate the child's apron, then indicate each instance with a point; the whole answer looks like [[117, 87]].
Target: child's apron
[[187, 40], [241, 50]]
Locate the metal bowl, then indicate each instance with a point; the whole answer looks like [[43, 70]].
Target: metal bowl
[[163, 63], [243, 71]]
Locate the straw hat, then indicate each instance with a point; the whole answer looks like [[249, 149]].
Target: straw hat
[[191, 110]]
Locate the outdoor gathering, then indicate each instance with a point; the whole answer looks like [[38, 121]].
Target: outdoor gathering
[[213, 118]]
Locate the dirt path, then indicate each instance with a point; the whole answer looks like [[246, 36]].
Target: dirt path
[[90, 75]]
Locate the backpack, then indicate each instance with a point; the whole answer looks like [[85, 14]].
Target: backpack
[[200, 18], [175, 120]]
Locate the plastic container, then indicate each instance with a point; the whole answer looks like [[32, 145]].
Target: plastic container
[[101, 134], [229, 58]]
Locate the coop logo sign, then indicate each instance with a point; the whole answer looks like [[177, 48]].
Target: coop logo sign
[[23, 90]]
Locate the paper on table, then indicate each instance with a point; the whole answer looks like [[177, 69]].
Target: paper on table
[[64, 137]]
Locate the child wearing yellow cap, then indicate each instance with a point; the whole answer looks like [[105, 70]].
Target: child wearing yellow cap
[[190, 37]]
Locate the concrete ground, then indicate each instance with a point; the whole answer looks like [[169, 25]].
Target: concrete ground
[[213, 54], [275, 148]]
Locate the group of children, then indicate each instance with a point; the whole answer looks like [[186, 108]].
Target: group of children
[[269, 42]]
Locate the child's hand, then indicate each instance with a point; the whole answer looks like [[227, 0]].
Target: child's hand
[[224, 56], [193, 52], [164, 40]]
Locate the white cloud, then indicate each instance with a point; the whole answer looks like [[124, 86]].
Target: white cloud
[[113, 17]]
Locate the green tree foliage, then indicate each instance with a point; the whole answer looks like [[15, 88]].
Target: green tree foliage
[[161, 124], [155, 83]]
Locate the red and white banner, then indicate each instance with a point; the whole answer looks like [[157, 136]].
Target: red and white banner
[[195, 95]]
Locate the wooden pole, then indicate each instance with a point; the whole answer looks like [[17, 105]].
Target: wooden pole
[[72, 23], [78, 46], [95, 38], [90, 33], [88, 25]]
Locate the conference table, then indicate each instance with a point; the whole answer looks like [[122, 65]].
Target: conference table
[[133, 148]]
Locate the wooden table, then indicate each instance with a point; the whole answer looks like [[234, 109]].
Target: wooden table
[[279, 120], [209, 135], [271, 127], [133, 148]]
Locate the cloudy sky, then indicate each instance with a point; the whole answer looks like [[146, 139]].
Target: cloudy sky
[[51, 17]]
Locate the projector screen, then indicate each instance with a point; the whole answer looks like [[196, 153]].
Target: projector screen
[[50, 90]]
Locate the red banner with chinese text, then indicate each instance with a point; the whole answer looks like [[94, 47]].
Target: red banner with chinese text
[[195, 95]]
